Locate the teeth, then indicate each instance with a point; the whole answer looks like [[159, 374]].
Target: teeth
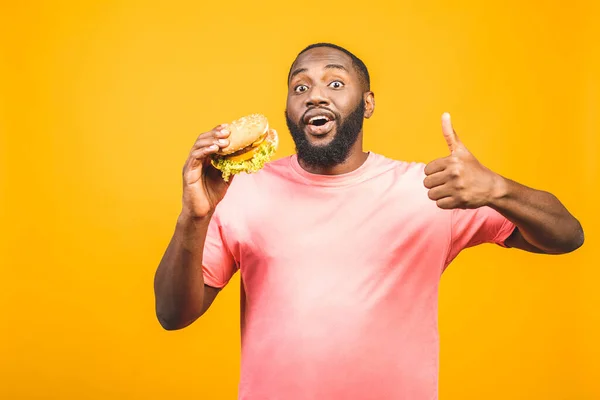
[[313, 119]]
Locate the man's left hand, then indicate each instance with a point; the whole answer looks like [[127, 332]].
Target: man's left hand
[[459, 180]]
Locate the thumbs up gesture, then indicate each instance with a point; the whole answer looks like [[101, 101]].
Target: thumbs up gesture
[[459, 180]]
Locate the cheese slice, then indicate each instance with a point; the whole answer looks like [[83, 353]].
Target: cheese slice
[[259, 140], [243, 157]]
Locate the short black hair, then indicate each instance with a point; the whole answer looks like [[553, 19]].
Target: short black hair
[[358, 64]]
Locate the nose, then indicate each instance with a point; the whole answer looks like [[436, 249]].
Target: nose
[[316, 98]]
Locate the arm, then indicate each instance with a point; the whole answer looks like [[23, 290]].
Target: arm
[[181, 296], [460, 181], [180, 292], [544, 224]]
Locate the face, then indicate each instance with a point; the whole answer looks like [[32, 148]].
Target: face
[[326, 105]]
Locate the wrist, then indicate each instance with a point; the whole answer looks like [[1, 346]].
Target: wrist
[[186, 217], [499, 190]]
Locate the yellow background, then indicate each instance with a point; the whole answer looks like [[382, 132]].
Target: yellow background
[[101, 100]]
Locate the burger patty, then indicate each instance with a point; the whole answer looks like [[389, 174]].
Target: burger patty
[[246, 149], [240, 152]]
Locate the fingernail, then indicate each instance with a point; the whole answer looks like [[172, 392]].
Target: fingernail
[[224, 131], [222, 141]]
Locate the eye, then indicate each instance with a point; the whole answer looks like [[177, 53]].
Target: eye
[[336, 84], [300, 88]]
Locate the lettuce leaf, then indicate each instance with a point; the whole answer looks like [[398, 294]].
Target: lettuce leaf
[[262, 156]]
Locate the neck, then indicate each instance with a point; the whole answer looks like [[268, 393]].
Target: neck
[[355, 159]]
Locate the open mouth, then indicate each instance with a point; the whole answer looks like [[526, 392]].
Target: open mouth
[[320, 126], [318, 116], [319, 120]]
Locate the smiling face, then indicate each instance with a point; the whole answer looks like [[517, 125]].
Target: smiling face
[[326, 104]]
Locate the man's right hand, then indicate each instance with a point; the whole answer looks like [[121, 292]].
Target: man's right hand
[[203, 186]]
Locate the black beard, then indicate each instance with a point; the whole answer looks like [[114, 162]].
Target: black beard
[[337, 151]]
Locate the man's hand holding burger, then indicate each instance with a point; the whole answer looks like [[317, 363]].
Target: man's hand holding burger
[[244, 145], [203, 186]]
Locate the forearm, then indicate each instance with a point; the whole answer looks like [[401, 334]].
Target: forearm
[[179, 282], [541, 218]]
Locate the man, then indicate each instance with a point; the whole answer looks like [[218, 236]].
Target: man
[[341, 251]]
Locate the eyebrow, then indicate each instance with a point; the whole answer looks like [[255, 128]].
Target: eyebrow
[[298, 71], [336, 66], [328, 66]]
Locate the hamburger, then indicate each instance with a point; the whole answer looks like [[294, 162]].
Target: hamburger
[[251, 144]]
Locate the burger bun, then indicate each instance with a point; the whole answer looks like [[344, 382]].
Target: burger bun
[[244, 132]]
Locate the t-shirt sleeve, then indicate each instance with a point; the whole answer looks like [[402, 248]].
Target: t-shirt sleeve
[[218, 264], [476, 226]]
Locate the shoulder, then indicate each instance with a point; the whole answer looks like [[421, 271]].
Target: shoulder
[[407, 171], [275, 168]]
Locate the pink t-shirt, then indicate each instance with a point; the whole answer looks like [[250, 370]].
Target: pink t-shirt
[[339, 278]]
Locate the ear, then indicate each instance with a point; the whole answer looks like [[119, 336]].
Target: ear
[[369, 99]]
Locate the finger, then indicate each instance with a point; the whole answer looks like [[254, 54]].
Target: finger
[[214, 131], [204, 151], [447, 203], [219, 132], [449, 133], [198, 157], [437, 179], [222, 131], [209, 141], [440, 192], [436, 166]]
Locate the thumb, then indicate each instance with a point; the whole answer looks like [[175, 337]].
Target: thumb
[[449, 134]]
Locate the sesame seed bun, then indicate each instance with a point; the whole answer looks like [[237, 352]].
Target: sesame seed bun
[[244, 132]]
